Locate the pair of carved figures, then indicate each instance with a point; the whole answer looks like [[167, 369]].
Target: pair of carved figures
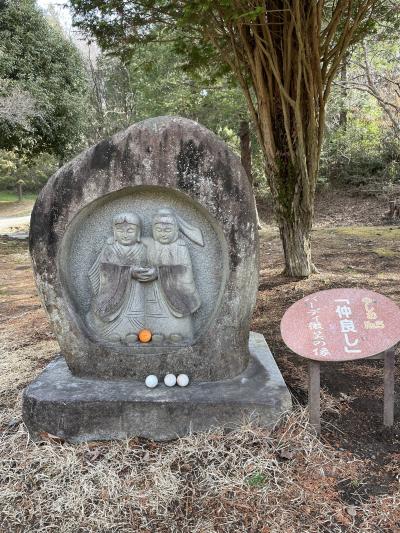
[[143, 282]]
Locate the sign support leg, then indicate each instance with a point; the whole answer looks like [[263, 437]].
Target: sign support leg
[[388, 402], [314, 395]]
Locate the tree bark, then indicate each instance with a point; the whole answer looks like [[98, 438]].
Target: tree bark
[[19, 186], [292, 172], [288, 110], [295, 236], [245, 156], [294, 212], [343, 93], [245, 148]]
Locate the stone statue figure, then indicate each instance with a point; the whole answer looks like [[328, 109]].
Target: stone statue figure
[[172, 297], [145, 282], [117, 276]]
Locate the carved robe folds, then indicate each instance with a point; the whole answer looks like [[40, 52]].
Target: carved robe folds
[[118, 305], [173, 297]]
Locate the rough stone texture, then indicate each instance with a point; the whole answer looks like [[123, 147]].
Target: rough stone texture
[[164, 162], [80, 409]]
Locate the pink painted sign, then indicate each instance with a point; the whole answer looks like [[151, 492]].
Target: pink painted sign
[[341, 325]]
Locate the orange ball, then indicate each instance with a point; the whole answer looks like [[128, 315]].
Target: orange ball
[[144, 335]]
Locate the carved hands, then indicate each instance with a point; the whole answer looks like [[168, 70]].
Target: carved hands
[[144, 273]]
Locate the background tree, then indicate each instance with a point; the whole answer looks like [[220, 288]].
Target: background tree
[[380, 77], [284, 54], [17, 107], [35, 171], [42, 84], [153, 82], [365, 151]]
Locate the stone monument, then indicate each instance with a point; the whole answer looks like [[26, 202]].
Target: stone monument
[[151, 230]]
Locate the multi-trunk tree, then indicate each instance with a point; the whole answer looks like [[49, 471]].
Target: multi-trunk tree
[[284, 54]]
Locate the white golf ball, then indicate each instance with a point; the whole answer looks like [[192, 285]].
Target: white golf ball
[[151, 381], [170, 380], [182, 380]]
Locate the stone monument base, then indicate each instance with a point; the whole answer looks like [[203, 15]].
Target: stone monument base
[[78, 409]]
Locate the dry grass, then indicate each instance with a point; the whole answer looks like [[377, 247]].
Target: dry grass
[[249, 480]]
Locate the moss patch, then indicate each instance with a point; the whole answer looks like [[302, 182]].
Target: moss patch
[[386, 252], [10, 246], [368, 232]]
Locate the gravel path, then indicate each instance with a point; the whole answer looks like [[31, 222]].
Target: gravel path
[[15, 227], [11, 222]]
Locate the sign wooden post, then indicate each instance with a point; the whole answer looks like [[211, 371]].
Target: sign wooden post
[[388, 407], [343, 325], [314, 394]]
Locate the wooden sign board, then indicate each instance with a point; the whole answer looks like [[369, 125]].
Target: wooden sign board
[[341, 325]]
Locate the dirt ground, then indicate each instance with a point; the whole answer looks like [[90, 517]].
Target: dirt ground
[[352, 248], [16, 209]]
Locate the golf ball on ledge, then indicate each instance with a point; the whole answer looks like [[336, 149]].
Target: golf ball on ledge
[[182, 380], [151, 381], [170, 380]]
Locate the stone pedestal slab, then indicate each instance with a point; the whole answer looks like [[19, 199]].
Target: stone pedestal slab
[[83, 409]]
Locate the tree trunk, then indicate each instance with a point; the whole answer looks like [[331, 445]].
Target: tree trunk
[[392, 209], [343, 93], [245, 157], [294, 211], [245, 148], [295, 235], [288, 111], [19, 186], [292, 180]]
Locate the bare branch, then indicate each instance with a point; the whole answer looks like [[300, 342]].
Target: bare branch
[[18, 107]]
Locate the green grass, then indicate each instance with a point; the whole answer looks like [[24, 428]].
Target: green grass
[[386, 252], [9, 247], [368, 232], [7, 196], [256, 480]]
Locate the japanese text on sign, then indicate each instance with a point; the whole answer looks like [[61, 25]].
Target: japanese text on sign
[[372, 322], [347, 326], [314, 324]]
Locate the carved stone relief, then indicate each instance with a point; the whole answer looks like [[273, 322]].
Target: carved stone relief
[[145, 282], [104, 274]]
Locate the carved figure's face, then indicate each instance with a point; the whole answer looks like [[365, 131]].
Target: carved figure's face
[[165, 230], [126, 234]]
